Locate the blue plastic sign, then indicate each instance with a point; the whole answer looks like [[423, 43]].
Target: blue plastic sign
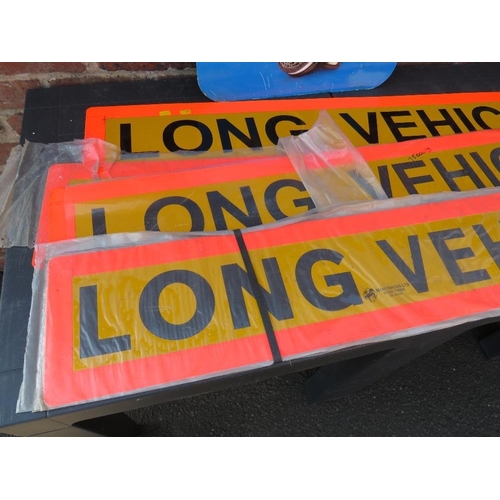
[[264, 80]]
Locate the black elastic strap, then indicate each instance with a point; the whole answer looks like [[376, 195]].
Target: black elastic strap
[[259, 297]]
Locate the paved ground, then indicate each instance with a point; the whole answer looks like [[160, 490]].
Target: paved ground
[[452, 391]]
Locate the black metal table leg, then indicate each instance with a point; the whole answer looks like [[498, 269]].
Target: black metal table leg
[[117, 425]]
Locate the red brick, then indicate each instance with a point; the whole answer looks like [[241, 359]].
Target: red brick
[[145, 66], [13, 94], [15, 68], [16, 122], [5, 150]]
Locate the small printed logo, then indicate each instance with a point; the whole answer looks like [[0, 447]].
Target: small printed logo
[[369, 294]]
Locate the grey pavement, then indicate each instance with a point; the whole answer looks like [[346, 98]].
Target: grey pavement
[[451, 391]]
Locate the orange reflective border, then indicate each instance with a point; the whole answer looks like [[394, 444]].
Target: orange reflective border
[[139, 317], [214, 126], [58, 176], [85, 356]]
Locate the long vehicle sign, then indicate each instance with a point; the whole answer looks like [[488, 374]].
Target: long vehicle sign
[[169, 311], [202, 127], [255, 191]]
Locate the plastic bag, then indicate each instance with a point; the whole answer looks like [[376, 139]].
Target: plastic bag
[[331, 168], [23, 181]]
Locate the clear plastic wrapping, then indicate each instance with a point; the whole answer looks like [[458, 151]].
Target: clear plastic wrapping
[[23, 181], [331, 168]]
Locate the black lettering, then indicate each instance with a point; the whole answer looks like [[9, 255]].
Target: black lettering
[[90, 343], [450, 176], [370, 135], [495, 158], [218, 203], [270, 197], [415, 276], [450, 257], [276, 299], [432, 125], [151, 215], [493, 247], [98, 221], [272, 123], [303, 274], [484, 167], [126, 137], [226, 127], [477, 115], [465, 120], [385, 181], [395, 127], [169, 136], [410, 182], [150, 310]]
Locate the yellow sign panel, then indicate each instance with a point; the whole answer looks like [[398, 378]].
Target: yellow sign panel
[[213, 207], [184, 292], [224, 127]]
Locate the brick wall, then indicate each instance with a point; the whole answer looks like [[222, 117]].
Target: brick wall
[[17, 78]]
